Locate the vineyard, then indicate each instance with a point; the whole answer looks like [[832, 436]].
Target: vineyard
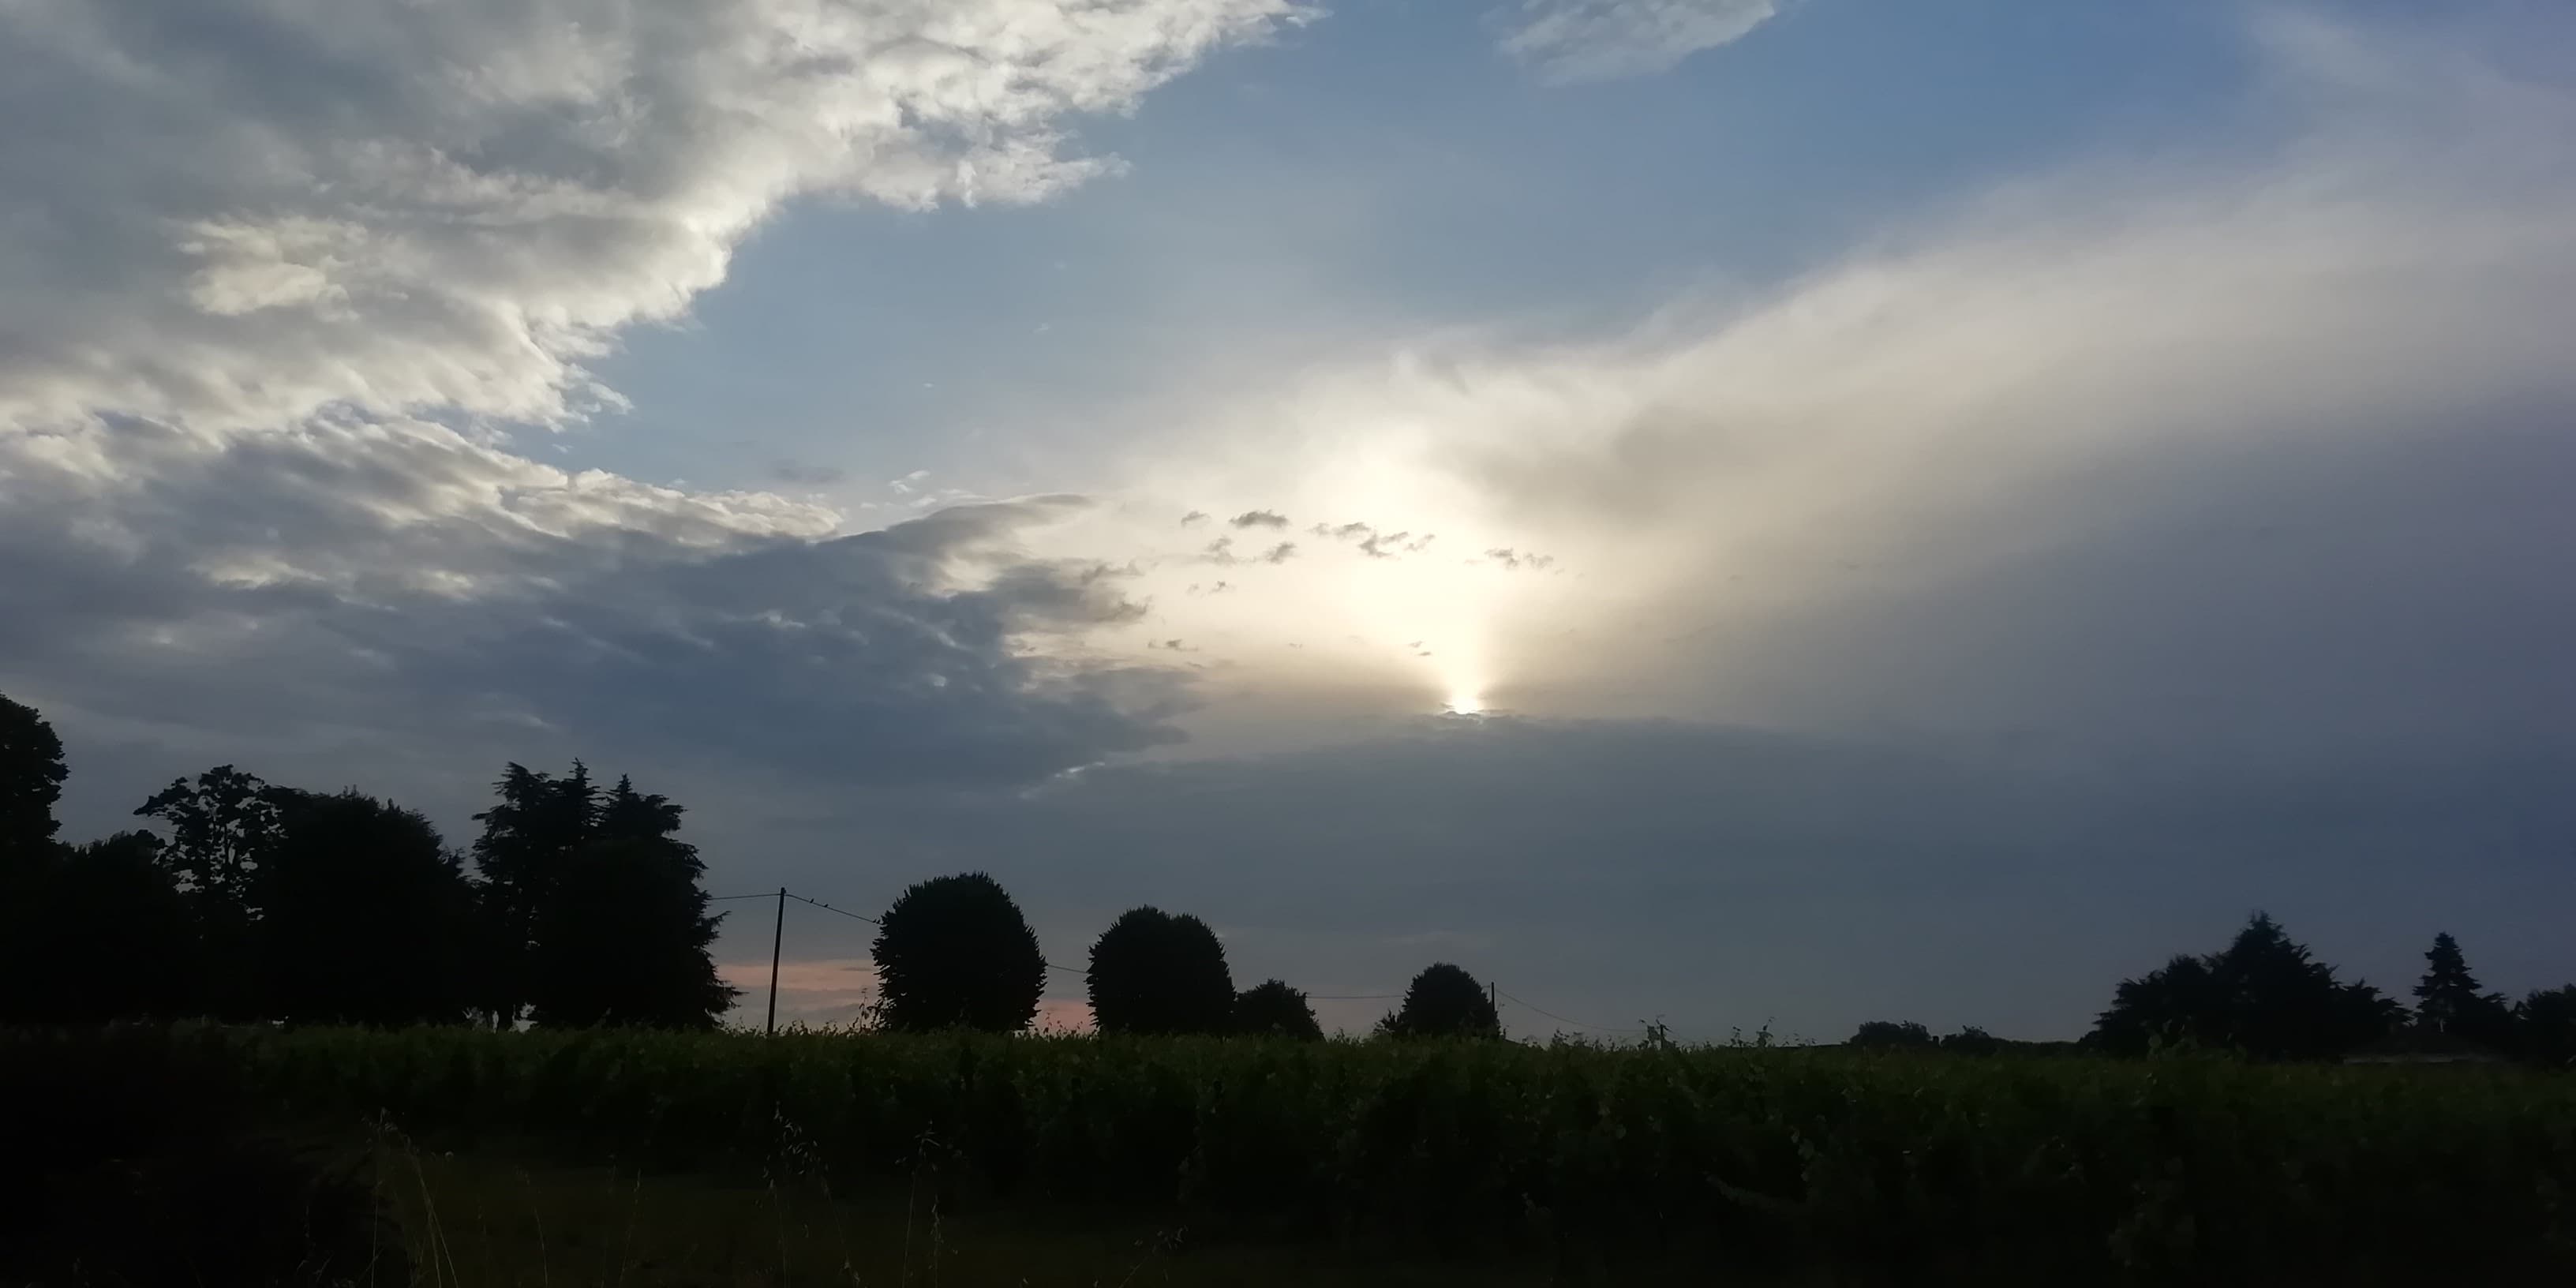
[[1795, 1156]]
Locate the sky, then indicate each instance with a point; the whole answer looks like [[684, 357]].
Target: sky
[[1747, 513]]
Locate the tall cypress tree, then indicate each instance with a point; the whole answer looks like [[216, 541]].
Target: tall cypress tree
[[2450, 1001]]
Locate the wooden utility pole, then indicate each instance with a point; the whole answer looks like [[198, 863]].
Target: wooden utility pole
[[777, 936]]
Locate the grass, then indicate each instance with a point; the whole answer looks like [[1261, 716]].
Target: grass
[[1059, 1156], [496, 1222]]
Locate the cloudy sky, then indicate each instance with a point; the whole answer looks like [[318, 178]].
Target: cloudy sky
[[1743, 511]]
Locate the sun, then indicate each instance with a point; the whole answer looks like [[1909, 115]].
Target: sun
[[1464, 700]]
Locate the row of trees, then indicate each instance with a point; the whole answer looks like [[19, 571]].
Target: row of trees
[[2266, 995], [582, 906], [957, 952], [257, 901]]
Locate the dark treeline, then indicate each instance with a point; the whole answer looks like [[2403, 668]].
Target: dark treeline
[[253, 901], [578, 906], [2266, 995]]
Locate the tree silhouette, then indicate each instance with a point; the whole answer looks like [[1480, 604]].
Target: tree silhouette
[[31, 780], [1444, 1001], [622, 939], [2264, 995], [2450, 1001], [2178, 1002], [1273, 1009], [2545, 1026], [1888, 1034], [223, 828], [1153, 972], [954, 952], [592, 907], [1971, 1040], [106, 931], [528, 839], [365, 916]]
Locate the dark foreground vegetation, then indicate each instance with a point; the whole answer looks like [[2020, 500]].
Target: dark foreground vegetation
[[299, 1040], [1557, 1161]]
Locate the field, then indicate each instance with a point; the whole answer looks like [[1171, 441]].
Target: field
[[1070, 1157]]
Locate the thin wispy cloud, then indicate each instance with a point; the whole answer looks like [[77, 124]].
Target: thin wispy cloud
[[1569, 42]]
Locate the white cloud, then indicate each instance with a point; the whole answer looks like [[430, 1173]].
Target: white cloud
[[2146, 448], [278, 278], [1572, 41], [228, 214]]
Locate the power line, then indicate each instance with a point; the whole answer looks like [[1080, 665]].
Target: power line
[[829, 908], [1604, 1028], [1074, 970]]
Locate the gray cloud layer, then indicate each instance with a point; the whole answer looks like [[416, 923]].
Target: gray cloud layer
[[2136, 549], [280, 277]]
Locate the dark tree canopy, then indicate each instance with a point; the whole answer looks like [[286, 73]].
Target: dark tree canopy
[[31, 780], [112, 908], [1444, 1001], [954, 952], [528, 839], [222, 828], [623, 940], [1971, 1040], [1153, 972], [592, 906], [2545, 1026], [1891, 1033], [2264, 995], [365, 916], [1272, 1009], [2450, 1001]]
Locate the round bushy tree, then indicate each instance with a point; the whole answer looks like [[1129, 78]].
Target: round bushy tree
[[1444, 1001], [1891, 1035], [1152, 972], [1272, 1009], [956, 953]]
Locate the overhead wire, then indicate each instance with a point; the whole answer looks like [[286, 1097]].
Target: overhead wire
[[1580, 1024]]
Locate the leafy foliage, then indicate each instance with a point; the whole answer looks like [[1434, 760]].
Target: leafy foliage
[[595, 906], [1153, 972], [1444, 1001], [31, 780], [1891, 1034], [223, 827], [1272, 1009], [624, 941], [365, 917], [2265, 995], [528, 839], [2450, 1001], [954, 952], [99, 932], [2072, 1170], [2545, 1027]]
